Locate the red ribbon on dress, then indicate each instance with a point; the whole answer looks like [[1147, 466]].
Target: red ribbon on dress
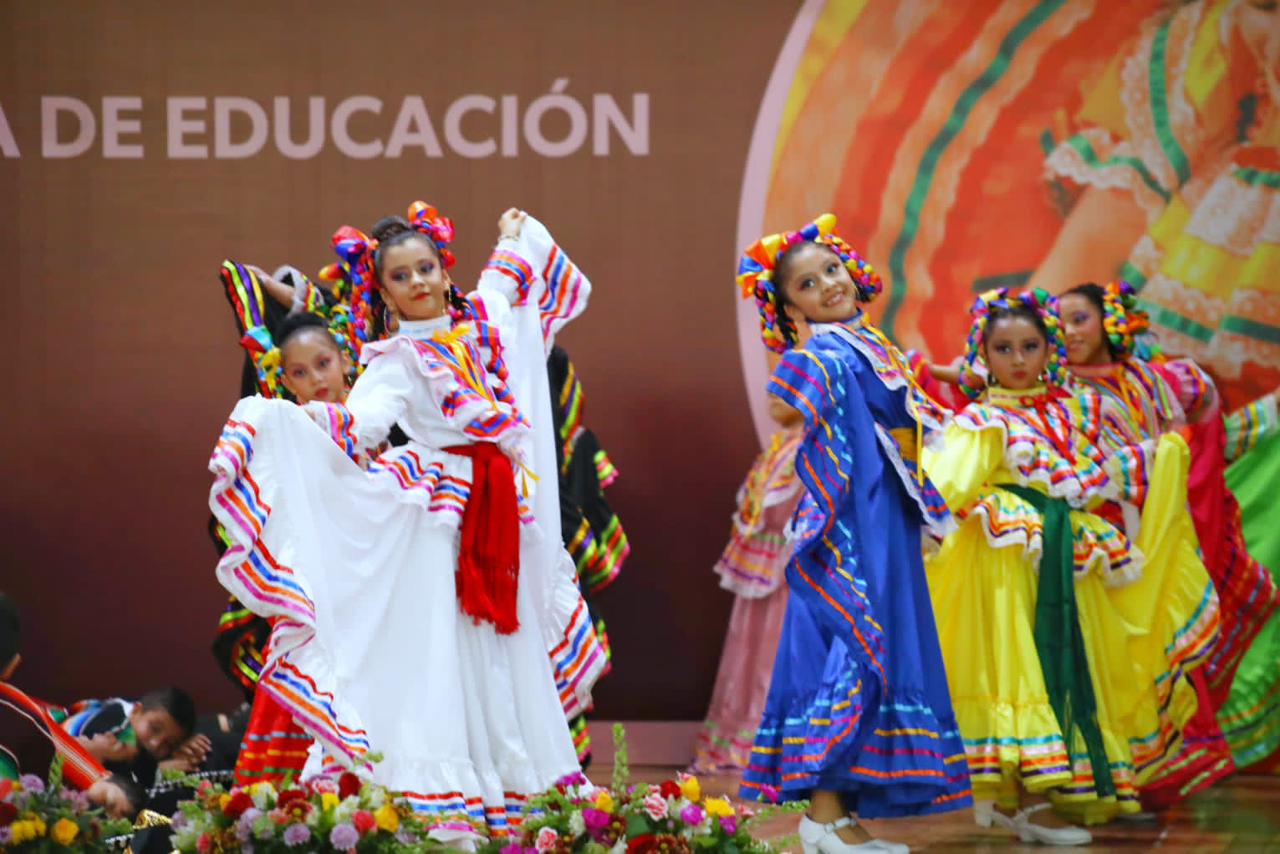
[[488, 575], [1040, 404]]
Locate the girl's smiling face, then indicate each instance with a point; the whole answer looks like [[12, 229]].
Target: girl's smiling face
[[1082, 328], [815, 285], [413, 281]]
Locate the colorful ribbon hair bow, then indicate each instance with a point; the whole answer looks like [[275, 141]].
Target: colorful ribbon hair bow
[[426, 220], [760, 260], [356, 249], [1122, 320], [1038, 300]]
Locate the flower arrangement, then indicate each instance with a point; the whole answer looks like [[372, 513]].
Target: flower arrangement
[[320, 814], [672, 817], [348, 814], [36, 815]]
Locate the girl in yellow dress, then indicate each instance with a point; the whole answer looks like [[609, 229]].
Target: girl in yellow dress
[[1142, 399], [1059, 699]]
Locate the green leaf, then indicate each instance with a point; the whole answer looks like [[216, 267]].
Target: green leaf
[[55, 772], [638, 825], [621, 770]]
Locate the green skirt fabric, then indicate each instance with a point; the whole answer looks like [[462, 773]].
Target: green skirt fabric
[[1251, 717]]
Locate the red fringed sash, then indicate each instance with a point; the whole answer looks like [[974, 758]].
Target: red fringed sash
[[79, 767], [488, 573]]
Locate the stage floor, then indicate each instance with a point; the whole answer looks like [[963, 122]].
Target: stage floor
[[1240, 815]]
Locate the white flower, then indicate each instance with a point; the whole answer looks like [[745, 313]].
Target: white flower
[[577, 825], [345, 810], [620, 847], [264, 795], [185, 839]]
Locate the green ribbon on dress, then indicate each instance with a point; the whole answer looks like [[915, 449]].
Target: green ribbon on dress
[[1059, 640]]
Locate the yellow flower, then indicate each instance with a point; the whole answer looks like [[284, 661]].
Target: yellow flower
[[222, 802], [64, 831], [718, 807], [604, 801], [29, 828], [21, 831], [329, 801], [691, 789], [262, 788], [387, 818]]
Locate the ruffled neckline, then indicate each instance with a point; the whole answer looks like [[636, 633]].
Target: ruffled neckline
[[1021, 397], [857, 320], [423, 330]]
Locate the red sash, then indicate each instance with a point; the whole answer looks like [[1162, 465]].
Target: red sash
[[488, 573]]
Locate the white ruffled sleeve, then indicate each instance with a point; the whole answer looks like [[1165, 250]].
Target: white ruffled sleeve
[[379, 399], [535, 270]]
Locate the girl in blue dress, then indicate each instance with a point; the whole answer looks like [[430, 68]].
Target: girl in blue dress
[[858, 717]]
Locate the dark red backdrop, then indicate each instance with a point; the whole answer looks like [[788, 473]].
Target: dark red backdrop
[[124, 362]]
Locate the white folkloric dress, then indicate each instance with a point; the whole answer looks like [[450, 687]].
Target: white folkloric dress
[[370, 651]]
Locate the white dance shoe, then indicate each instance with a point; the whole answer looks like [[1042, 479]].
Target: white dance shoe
[[822, 839], [986, 815]]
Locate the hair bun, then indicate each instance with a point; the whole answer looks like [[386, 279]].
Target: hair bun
[[388, 227]]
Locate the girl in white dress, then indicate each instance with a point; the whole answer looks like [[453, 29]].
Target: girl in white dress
[[418, 594]]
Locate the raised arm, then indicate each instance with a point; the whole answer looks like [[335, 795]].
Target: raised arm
[[528, 268]]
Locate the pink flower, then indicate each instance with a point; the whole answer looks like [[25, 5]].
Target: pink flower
[[770, 793], [297, 834], [204, 843], [321, 785], [691, 815], [595, 819], [729, 824], [244, 824], [547, 839], [655, 805], [344, 837]]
